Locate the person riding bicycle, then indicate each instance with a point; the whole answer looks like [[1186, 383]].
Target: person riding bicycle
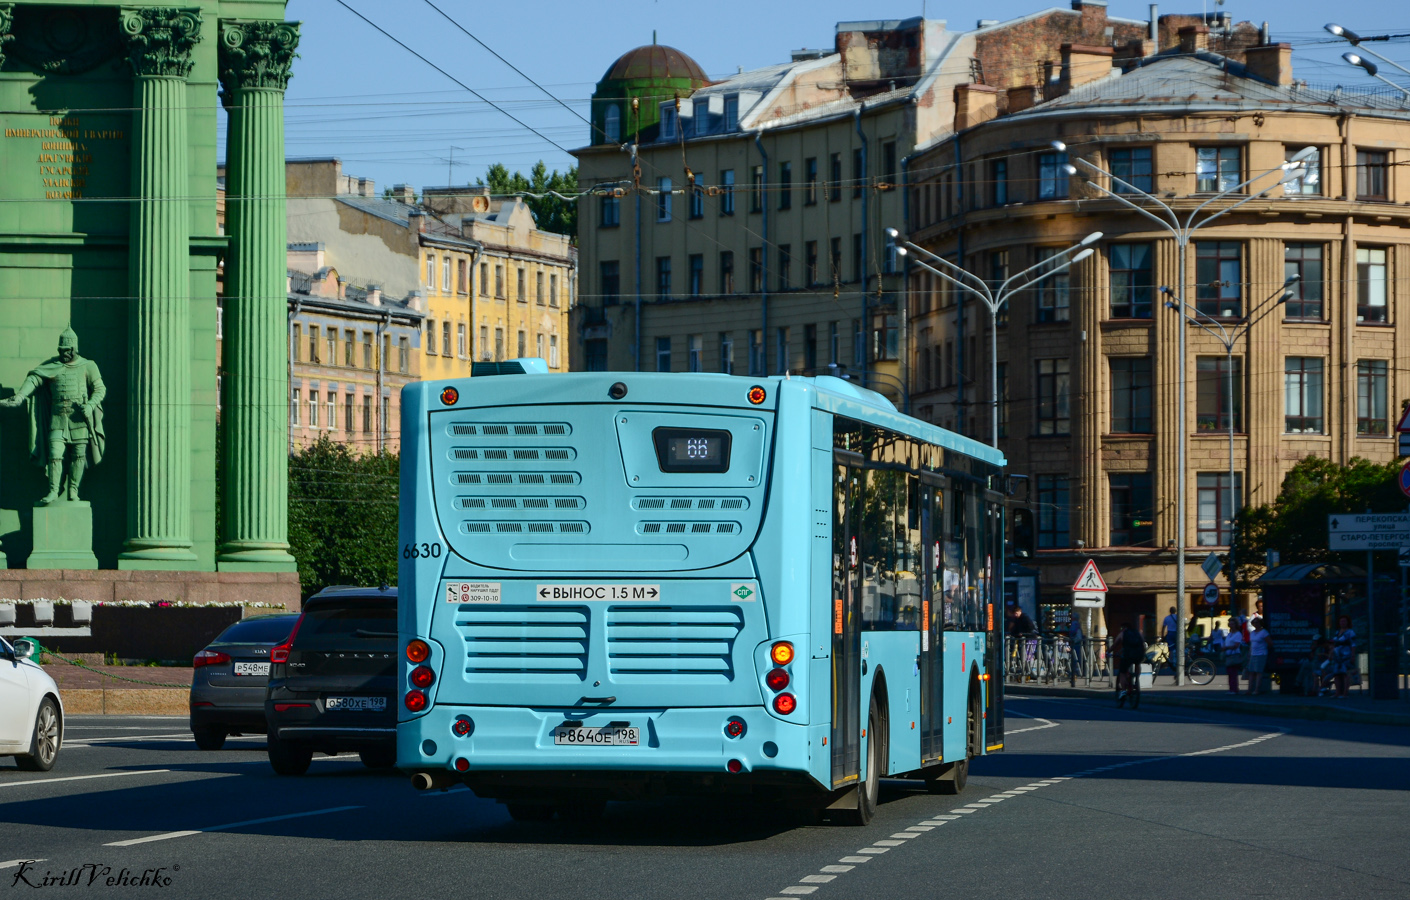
[[1130, 648]]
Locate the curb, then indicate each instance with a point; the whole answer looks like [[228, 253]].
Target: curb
[[126, 702], [1248, 707]]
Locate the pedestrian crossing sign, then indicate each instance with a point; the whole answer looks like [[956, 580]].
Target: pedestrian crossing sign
[[1090, 580]]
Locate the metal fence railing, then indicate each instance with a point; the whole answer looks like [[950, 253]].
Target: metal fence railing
[[1051, 659]]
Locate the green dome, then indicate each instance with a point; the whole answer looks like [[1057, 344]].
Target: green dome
[[656, 62], [648, 74]]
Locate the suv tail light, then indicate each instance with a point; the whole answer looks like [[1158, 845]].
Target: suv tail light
[[209, 658], [280, 653]]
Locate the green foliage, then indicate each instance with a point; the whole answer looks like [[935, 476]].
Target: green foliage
[[551, 213], [343, 515], [1295, 524]]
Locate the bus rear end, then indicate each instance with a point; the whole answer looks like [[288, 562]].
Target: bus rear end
[[582, 611]]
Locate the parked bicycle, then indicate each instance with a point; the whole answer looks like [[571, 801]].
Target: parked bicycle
[[1199, 669]]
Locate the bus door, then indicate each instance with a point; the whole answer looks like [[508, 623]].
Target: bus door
[[994, 625], [932, 641], [847, 502]]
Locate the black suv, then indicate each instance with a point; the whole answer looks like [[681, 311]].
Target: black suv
[[332, 683]]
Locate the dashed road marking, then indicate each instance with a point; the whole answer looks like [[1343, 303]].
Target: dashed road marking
[[18, 862], [82, 778], [178, 834]]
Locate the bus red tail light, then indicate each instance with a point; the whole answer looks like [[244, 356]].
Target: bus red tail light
[[418, 651], [422, 676], [735, 728], [781, 653], [415, 701], [777, 679], [735, 766], [209, 658], [784, 704], [462, 764]]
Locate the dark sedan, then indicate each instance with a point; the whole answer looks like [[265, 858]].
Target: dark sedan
[[331, 684], [230, 676]]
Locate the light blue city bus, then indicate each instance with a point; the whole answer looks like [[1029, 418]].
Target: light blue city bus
[[621, 585]]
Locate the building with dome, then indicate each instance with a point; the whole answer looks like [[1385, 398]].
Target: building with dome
[[627, 101]]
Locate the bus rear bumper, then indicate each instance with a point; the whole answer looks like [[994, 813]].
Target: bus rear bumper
[[670, 741]]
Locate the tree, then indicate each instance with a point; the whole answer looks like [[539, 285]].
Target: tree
[[343, 515], [551, 213], [1295, 523]]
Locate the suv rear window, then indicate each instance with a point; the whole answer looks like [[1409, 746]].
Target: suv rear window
[[352, 626], [262, 630]]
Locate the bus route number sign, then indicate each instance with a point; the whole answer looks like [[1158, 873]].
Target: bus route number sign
[[647, 592]]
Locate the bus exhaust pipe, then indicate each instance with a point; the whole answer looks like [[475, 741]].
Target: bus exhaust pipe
[[426, 781]]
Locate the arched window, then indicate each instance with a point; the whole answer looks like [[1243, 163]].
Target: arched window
[[613, 123]]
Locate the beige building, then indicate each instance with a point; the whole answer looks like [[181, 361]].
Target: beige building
[[1088, 363]]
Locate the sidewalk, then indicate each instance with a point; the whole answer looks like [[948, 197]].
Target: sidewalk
[[1357, 707], [122, 690]]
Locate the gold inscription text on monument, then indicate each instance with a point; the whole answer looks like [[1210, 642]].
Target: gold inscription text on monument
[[64, 157]]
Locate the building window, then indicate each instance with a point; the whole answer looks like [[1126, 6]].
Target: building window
[[538, 288], [998, 182], [810, 348], [1307, 180], [1371, 382], [331, 343], [726, 353], [1132, 170], [1219, 278], [367, 347], [403, 354], [1370, 284], [499, 281], [294, 407], [835, 260], [1215, 410], [538, 347], [553, 290], [695, 348], [702, 117], [1304, 262], [833, 189], [485, 342], [668, 122], [1132, 510], [386, 415], [785, 266], [756, 189], [756, 269], [663, 277], [697, 202], [1302, 395], [445, 274], [445, 343], [348, 413], [731, 113], [296, 343], [727, 192], [1054, 383], [498, 344], [522, 345], [553, 351], [611, 207], [610, 279], [1054, 292], [330, 410], [430, 272], [313, 344], [1054, 511], [1218, 504], [834, 344], [1053, 180], [1132, 282], [697, 274], [885, 335], [663, 354], [385, 361], [1371, 175], [461, 350], [756, 352], [785, 185], [349, 342], [1216, 169], [521, 284], [726, 271], [859, 173], [782, 351], [366, 415], [484, 279], [1131, 395], [810, 181], [663, 199], [810, 263], [888, 164], [613, 124]]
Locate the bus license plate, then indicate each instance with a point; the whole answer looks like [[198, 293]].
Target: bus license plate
[[252, 668], [372, 704], [612, 736]]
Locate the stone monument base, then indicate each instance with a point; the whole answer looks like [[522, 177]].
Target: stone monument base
[[112, 585], [63, 536], [9, 525]]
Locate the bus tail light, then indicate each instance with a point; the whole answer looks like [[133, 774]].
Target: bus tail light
[[777, 679], [418, 651], [462, 764], [462, 727], [415, 700], [735, 728], [784, 704], [209, 658], [734, 766], [422, 676], [781, 653]]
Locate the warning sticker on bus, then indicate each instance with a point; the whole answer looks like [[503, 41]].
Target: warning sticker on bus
[[472, 591], [646, 592]]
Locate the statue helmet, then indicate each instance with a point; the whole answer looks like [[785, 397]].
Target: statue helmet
[[68, 340]]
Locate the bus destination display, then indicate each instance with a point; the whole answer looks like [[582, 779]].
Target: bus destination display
[[692, 450]]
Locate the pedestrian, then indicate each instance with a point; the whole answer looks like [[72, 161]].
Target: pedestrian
[[1170, 628], [1076, 639], [1259, 643], [1234, 645], [1343, 654], [1216, 637], [1257, 613], [1022, 624]]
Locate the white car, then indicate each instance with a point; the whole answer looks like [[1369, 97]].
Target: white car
[[31, 715]]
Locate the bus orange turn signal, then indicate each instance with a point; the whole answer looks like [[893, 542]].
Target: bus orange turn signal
[[781, 653], [449, 396], [418, 651]]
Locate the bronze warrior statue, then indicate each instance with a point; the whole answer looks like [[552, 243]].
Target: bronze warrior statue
[[65, 411]]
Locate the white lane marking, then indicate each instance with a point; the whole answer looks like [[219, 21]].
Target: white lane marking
[[176, 834], [855, 859], [962, 810], [796, 889], [184, 736], [889, 843], [924, 826], [904, 835], [19, 862], [817, 879], [83, 778], [946, 818], [838, 869], [874, 850], [1050, 724]]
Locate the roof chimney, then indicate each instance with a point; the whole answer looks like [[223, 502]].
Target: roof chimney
[[974, 104], [404, 192], [1021, 98], [1194, 39], [1271, 62], [1081, 64]]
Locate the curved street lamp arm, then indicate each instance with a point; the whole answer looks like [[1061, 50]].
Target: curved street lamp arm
[[1223, 338], [1228, 209], [945, 262], [1006, 292], [1362, 48], [1075, 248], [1282, 296], [1160, 204], [983, 295], [1172, 228]]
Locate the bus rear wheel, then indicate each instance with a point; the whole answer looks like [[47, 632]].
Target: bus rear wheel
[[869, 786]]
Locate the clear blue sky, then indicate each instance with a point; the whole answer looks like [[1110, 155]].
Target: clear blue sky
[[358, 96]]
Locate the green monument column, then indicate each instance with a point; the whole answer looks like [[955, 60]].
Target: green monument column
[[255, 62], [159, 43]]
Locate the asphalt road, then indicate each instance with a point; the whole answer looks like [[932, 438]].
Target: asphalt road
[[1086, 801]]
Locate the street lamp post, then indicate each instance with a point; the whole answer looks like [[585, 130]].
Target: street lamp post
[[1356, 59], [994, 298], [1228, 339], [1182, 231]]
